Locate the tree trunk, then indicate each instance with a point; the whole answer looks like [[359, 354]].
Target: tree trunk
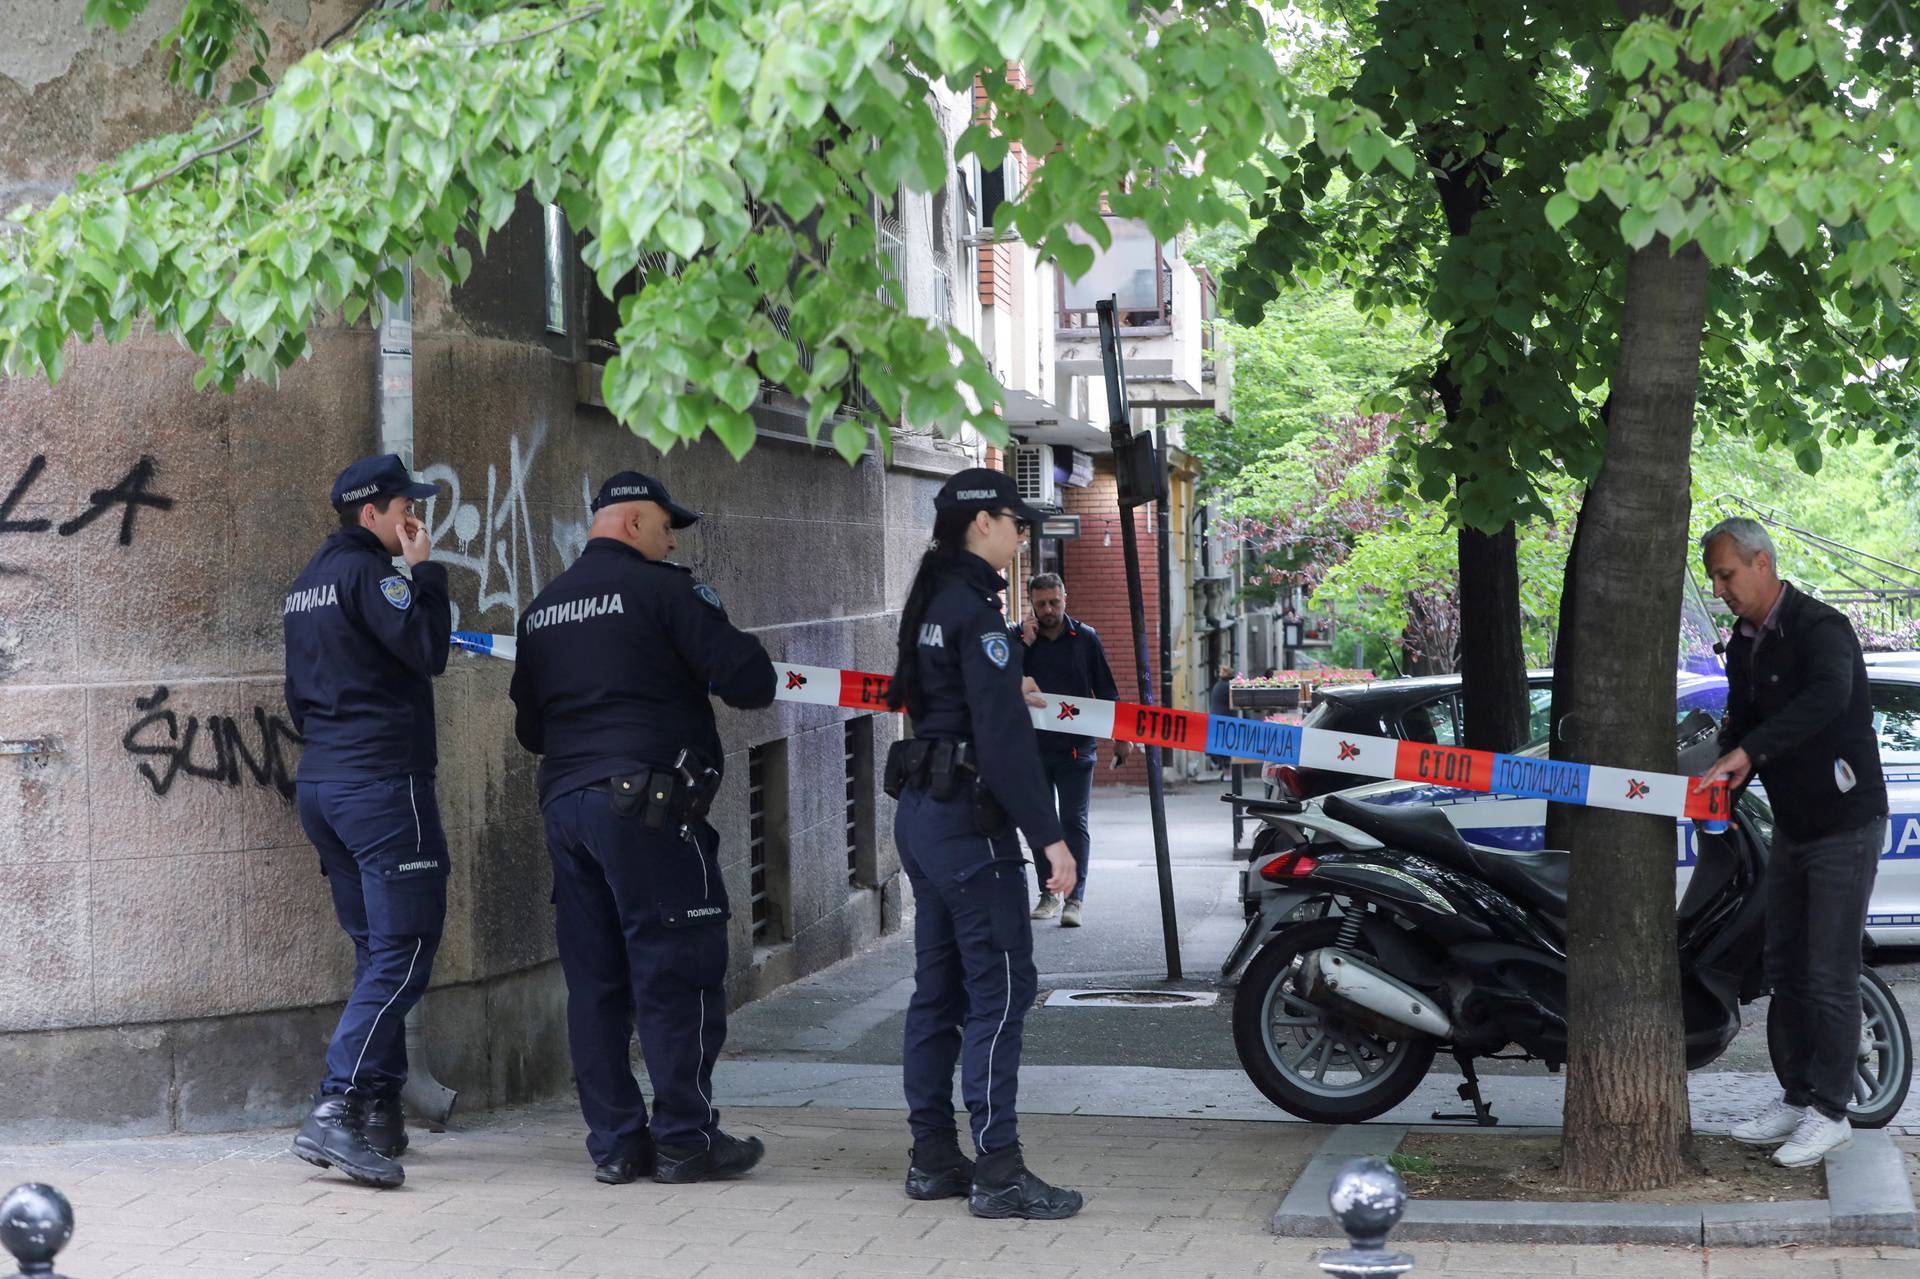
[[1627, 1118], [1493, 661]]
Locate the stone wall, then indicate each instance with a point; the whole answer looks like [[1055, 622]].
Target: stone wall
[[168, 957]]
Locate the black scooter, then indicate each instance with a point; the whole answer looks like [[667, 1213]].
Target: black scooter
[[1423, 942]]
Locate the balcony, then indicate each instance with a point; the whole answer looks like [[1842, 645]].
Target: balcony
[[1133, 270]]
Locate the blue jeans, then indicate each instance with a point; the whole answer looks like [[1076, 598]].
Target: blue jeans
[[1071, 779], [640, 917], [1817, 892], [973, 975], [384, 854]]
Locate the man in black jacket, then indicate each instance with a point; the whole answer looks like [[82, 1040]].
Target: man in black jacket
[[1064, 655], [1799, 715]]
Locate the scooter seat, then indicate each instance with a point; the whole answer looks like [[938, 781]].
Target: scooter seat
[[1536, 879]]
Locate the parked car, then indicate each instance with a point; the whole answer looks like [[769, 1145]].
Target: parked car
[[1425, 708], [1508, 822]]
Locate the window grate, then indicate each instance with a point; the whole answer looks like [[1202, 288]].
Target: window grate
[[858, 815]]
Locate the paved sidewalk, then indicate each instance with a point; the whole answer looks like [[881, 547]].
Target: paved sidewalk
[[511, 1194]]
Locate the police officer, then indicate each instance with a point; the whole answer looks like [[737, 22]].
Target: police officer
[[363, 643], [967, 778], [1064, 655], [615, 662]]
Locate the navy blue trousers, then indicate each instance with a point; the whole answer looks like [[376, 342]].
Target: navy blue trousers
[[641, 920], [384, 854], [1071, 780], [973, 979]]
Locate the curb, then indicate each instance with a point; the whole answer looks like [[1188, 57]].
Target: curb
[[1869, 1201]]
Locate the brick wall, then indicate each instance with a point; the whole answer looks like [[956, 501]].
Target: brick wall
[[1096, 578]]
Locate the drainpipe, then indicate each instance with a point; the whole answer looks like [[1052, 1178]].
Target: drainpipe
[[424, 1096]]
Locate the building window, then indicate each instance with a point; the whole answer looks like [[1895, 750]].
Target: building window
[[993, 194], [559, 257], [767, 842], [1132, 269], [859, 806], [942, 295], [891, 236], [603, 312]]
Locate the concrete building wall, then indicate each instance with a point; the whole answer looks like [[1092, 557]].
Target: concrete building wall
[[168, 957]]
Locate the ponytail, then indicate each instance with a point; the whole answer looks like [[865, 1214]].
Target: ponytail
[[949, 541]]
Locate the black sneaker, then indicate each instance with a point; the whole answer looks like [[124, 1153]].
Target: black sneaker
[[939, 1171], [386, 1127], [1002, 1188], [625, 1168], [331, 1138], [726, 1157]]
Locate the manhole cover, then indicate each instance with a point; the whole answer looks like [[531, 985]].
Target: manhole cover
[[1131, 999]]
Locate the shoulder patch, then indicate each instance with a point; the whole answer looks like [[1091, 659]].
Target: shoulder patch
[[398, 591], [708, 596], [998, 651]]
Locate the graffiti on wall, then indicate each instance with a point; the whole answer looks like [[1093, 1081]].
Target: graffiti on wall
[[131, 494], [499, 541], [228, 754]]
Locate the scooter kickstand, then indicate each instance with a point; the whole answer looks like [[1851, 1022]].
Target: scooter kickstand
[[1470, 1092]]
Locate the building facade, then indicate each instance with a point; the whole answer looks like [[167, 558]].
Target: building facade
[[168, 956]]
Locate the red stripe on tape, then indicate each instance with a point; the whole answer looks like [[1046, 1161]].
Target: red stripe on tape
[[1158, 726], [863, 691], [1452, 766], [1714, 804]]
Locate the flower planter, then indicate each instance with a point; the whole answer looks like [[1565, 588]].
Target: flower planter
[[1276, 697]]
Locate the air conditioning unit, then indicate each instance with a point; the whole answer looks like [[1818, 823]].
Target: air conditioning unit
[[1032, 466]]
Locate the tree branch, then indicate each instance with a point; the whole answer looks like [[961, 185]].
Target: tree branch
[[197, 156], [582, 16]]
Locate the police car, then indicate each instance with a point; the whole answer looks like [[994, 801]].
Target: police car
[[1893, 917]]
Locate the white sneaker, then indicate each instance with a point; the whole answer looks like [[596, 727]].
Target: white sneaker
[[1771, 1126], [1815, 1138], [1049, 907], [1070, 913]]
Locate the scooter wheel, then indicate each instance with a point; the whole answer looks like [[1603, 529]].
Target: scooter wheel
[[1310, 1063]]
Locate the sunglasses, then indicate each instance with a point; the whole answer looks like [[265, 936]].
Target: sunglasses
[[1020, 526]]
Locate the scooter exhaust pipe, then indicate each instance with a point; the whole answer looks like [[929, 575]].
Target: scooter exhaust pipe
[[1330, 976]]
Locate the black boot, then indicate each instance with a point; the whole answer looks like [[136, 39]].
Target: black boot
[[386, 1127], [1002, 1187], [332, 1137], [937, 1170], [726, 1157], [622, 1169]]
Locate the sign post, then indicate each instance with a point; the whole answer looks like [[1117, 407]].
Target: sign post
[[1141, 478]]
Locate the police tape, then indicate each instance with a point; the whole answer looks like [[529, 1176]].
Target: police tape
[[1452, 767]]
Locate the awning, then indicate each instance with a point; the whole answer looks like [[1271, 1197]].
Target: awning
[[1035, 421]]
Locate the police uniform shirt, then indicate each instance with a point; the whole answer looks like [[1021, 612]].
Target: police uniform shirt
[[363, 642], [615, 660], [1072, 665], [970, 672]]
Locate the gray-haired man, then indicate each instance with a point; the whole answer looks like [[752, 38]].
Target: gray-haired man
[[1799, 715]]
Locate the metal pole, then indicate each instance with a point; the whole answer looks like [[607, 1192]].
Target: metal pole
[[1120, 428], [1165, 542]]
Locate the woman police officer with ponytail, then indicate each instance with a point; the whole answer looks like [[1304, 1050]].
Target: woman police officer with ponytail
[[966, 780]]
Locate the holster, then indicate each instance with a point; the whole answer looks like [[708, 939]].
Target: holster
[[906, 765], [663, 797], [989, 818]]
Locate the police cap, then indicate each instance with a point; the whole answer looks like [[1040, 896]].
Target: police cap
[[980, 489], [632, 486], [372, 478]]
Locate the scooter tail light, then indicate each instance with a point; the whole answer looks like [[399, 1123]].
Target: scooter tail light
[[1288, 778], [1293, 864]]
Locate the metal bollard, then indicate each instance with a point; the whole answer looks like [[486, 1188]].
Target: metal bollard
[[1368, 1199], [36, 1222]]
